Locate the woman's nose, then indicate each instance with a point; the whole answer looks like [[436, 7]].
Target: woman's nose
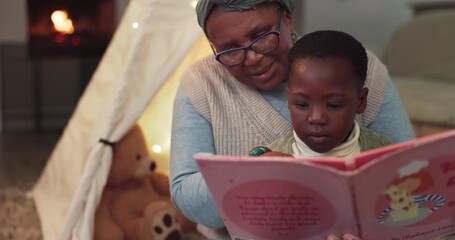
[[252, 57]]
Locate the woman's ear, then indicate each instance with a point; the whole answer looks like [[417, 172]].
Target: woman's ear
[[363, 95], [287, 17]]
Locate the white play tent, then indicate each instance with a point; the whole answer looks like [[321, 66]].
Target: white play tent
[[135, 82]]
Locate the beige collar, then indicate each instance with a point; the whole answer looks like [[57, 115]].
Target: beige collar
[[346, 149]]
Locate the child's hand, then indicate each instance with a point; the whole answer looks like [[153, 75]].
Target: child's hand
[[345, 236]]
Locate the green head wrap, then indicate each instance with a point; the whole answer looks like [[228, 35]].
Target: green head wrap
[[204, 7]]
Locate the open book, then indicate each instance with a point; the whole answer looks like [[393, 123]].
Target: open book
[[399, 192]]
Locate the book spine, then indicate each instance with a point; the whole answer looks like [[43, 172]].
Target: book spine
[[350, 164]]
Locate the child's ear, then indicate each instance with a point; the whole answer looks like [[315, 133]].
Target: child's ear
[[362, 100]]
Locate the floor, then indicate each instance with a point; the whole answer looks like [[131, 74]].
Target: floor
[[23, 156]]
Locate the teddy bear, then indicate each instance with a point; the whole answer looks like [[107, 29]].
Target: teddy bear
[[136, 202]]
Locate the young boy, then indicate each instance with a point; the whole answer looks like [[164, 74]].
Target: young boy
[[326, 76]]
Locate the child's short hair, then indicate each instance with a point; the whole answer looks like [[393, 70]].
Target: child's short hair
[[331, 44]]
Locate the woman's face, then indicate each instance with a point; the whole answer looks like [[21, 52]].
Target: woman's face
[[227, 30]]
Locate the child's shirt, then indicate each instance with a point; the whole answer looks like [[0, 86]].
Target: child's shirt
[[366, 140]]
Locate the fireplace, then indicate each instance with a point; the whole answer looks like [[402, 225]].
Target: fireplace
[[42, 80], [69, 27]]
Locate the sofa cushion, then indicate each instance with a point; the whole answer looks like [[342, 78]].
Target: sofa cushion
[[427, 100], [424, 47]]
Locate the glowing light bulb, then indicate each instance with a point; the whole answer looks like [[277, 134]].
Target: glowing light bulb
[[156, 148], [135, 25]]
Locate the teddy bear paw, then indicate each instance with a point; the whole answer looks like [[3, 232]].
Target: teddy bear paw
[[166, 226]]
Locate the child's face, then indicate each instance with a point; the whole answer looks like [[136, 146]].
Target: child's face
[[323, 99]]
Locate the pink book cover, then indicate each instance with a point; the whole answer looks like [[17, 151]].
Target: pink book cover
[[399, 192]]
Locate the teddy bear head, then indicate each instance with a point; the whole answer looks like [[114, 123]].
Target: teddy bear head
[[131, 159]]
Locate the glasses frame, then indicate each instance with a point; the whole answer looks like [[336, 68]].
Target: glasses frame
[[250, 46]]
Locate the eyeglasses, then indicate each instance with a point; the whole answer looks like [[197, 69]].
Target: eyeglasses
[[265, 43]]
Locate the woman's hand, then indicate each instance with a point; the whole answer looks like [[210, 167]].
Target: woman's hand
[[345, 236]]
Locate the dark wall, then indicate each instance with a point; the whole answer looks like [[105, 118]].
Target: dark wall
[[40, 93]]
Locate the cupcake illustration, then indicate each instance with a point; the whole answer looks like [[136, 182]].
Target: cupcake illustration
[[406, 203]]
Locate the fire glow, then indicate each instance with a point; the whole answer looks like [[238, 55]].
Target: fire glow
[[61, 22]]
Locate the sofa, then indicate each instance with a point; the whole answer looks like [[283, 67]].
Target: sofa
[[420, 57]]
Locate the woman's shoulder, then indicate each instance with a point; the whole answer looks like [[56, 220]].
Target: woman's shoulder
[[207, 75], [201, 73], [206, 66]]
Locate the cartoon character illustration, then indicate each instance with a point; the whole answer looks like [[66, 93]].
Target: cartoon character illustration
[[405, 205]]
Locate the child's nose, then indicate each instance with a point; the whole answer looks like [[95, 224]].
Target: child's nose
[[316, 117]]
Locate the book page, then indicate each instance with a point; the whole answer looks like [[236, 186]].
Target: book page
[[409, 194], [278, 198]]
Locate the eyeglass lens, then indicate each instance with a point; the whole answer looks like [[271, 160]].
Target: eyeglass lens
[[263, 44]]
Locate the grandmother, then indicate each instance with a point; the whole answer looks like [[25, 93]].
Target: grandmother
[[237, 99]]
